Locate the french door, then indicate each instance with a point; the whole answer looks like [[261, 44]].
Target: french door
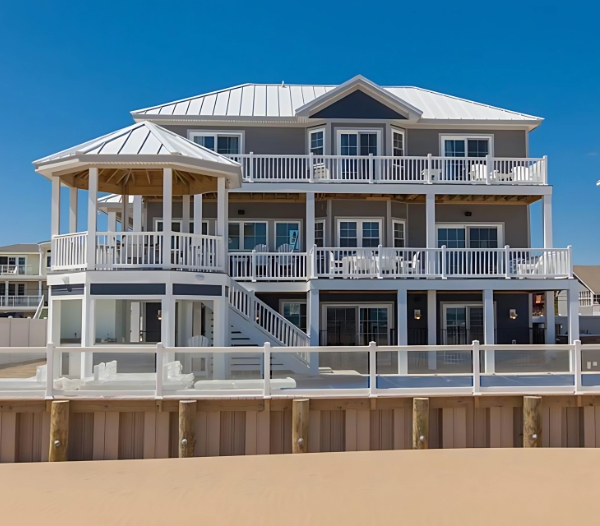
[[354, 144], [356, 325], [464, 150], [477, 236]]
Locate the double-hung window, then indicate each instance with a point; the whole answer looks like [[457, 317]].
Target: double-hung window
[[397, 143], [399, 233], [316, 141], [359, 233], [287, 233], [294, 312], [320, 233], [220, 142], [247, 235]]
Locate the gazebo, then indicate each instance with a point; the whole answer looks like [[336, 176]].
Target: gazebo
[[141, 160]]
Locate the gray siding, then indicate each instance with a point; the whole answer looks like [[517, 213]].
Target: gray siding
[[507, 143]]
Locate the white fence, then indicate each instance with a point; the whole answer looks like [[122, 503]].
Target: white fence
[[18, 270], [471, 381], [391, 169]]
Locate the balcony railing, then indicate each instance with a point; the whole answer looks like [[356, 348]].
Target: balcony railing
[[268, 266], [390, 169], [17, 270], [144, 250], [20, 301]]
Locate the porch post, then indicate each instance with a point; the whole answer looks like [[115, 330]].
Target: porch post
[[124, 213], [88, 336], [185, 215], [488, 329], [73, 210], [222, 219], [310, 221], [430, 231], [431, 328], [402, 330], [92, 217], [167, 325], [547, 214], [220, 335], [389, 227], [198, 214], [167, 219], [549, 316], [573, 298], [137, 213], [112, 221], [313, 316], [55, 218]]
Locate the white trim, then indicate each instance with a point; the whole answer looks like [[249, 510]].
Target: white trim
[[359, 221], [216, 133], [466, 226], [286, 221], [465, 137], [310, 131], [324, 223], [393, 130], [343, 130]]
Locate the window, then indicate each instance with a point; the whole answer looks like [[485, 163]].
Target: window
[[397, 143], [320, 233], [287, 234], [460, 146], [317, 141], [175, 225], [245, 235], [469, 236], [204, 228], [358, 142], [48, 261], [295, 312], [14, 289], [223, 143], [359, 233], [399, 234]]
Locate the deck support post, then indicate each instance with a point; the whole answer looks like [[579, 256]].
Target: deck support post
[[420, 438], [137, 213], [59, 431], [573, 311], [92, 218], [431, 328], [488, 330], [73, 210], [310, 221], [187, 426], [222, 220], [300, 418], [402, 329], [167, 217], [198, 214], [532, 421], [549, 316], [55, 210]]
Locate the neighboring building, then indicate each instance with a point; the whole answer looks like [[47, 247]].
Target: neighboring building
[[23, 269], [357, 213]]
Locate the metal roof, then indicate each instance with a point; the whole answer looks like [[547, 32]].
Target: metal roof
[[278, 100], [589, 275], [141, 138]]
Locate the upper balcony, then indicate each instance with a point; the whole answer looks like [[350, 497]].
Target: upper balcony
[[18, 270], [428, 169]]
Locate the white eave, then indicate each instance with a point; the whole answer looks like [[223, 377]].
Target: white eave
[[143, 144]]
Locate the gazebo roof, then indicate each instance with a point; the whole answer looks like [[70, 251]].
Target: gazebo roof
[[131, 160]]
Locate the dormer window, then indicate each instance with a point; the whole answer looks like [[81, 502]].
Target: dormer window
[[222, 143]]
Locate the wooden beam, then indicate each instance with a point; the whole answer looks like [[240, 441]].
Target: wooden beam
[[59, 431], [532, 421], [300, 417], [420, 438], [187, 426]]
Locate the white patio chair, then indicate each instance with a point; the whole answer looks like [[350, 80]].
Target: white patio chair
[[285, 261], [477, 172], [261, 261]]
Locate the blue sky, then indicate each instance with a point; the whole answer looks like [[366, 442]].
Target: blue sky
[[70, 71]]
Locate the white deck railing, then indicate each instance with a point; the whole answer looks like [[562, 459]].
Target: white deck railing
[[18, 270], [118, 250], [389, 169], [574, 374], [20, 301], [267, 266], [268, 319]]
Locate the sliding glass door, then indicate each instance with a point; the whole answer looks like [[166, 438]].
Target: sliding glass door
[[350, 325]]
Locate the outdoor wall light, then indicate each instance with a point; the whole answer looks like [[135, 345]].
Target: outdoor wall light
[[417, 314], [159, 315], [512, 314]]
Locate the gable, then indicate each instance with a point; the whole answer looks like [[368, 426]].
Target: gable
[[357, 105]]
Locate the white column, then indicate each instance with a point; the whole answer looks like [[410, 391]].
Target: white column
[[137, 213], [54, 322], [573, 306], [329, 235], [389, 227], [167, 324], [73, 210], [198, 214], [185, 215], [112, 221], [488, 329], [220, 336], [402, 330], [310, 221], [547, 219], [431, 328], [55, 218], [92, 217], [88, 335], [549, 316], [430, 220], [222, 218], [167, 217], [312, 316], [134, 322]]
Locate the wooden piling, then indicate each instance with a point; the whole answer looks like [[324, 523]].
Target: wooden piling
[[59, 431], [420, 438], [300, 417], [187, 426], [532, 421]]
